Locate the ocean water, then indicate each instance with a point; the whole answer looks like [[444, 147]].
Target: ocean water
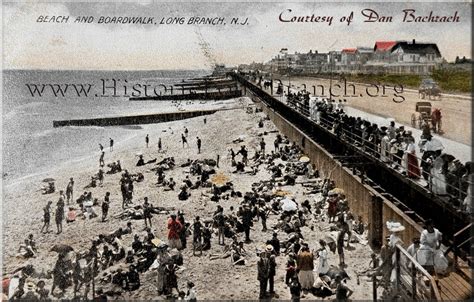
[[30, 143]]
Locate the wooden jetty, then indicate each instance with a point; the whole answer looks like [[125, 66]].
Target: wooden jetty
[[206, 88], [133, 119]]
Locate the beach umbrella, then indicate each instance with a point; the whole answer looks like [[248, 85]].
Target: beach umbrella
[[337, 191], [333, 272], [328, 239], [49, 179], [395, 226], [288, 205], [61, 248], [139, 154], [304, 159], [331, 243], [114, 268], [159, 243]]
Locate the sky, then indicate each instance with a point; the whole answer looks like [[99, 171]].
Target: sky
[[28, 44]]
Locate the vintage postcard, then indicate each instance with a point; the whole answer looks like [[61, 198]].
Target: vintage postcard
[[225, 150]]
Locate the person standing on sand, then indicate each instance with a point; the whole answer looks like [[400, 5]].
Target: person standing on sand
[[174, 229], [101, 159], [262, 146], [244, 153], [111, 141], [186, 131], [276, 144], [105, 206], [198, 141], [263, 272], [147, 212], [69, 190], [272, 272], [340, 246], [305, 265], [46, 217], [59, 217], [61, 198], [184, 140], [246, 218], [159, 144], [147, 140]]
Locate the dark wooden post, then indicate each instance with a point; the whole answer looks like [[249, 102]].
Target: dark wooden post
[[397, 267], [374, 284], [94, 268]]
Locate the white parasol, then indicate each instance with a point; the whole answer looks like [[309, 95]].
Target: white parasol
[[394, 227], [288, 205], [304, 159]]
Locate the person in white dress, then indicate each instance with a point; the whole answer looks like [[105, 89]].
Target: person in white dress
[[438, 179], [430, 242], [385, 148], [322, 254]]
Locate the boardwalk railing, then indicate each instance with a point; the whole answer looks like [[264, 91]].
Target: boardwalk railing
[[413, 282]]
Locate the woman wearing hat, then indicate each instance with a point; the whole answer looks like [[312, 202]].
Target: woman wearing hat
[[411, 161], [46, 217], [305, 265], [430, 243], [323, 266], [332, 208], [174, 229]]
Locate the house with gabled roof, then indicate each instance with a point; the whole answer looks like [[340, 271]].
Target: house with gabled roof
[[417, 52], [412, 57]]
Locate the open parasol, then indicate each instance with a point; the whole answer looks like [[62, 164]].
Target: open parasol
[[328, 239], [288, 205], [61, 248], [304, 159], [49, 179], [159, 243], [337, 191], [219, 179], [394, 227], [333, 272]]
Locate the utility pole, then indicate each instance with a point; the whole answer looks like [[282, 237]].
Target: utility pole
[[330, 82]]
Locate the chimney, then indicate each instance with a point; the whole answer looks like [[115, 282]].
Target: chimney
[[413, 41]]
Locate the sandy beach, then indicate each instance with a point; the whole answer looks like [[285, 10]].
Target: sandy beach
[[216, 279]]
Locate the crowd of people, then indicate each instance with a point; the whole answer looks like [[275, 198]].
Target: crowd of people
[[396, 146], [109, 267]]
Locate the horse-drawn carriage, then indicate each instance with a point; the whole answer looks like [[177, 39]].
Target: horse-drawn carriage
[[429, 88], [422, 114], [425, 115]]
